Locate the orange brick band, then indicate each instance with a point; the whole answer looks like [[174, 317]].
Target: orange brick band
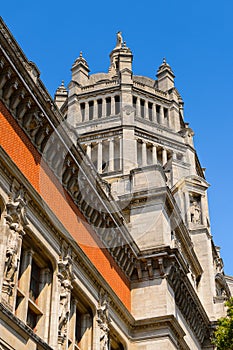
[[19, 148]]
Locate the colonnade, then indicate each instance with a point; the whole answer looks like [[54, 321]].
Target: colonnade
[[151, 111], [107, 154], [100, 107], [149, 153]]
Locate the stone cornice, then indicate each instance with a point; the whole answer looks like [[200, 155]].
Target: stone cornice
[[52, 139], [189, 303], [160, 323]]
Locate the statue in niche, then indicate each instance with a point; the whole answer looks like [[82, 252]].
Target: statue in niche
[[66, 277], [64, 304], [103, 320], [12, 256], [16, 220], [104, 330], [195, 212], [119, 40]]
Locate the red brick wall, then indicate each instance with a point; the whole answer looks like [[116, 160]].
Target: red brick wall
[[19, 148]]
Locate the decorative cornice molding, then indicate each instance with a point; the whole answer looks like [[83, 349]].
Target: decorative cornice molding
[[189, 304]]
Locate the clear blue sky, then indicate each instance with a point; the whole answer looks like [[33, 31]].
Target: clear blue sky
[[196, 37]]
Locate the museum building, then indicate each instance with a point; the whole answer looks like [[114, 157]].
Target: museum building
[[105, 239]]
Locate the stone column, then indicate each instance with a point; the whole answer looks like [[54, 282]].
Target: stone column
[[168, 117], [138, 107], [112, 105], [99, 157], [161, 115], [146, 110], [86, 116], [203, 212], [187, 206], [154, 114], [144, 155], [164, 156], [154, 154], [111, 155], [88, 151], [120, 153], [95, 110], [104, 107]]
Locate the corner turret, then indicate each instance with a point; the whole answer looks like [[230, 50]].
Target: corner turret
[[61, 95], [80, 70], [165, 77]]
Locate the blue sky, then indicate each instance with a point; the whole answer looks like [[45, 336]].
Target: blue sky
[[196, 37]]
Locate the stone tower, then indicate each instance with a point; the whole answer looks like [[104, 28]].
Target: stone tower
[[132, 128]]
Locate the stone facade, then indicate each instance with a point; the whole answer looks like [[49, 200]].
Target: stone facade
[[105, 240]]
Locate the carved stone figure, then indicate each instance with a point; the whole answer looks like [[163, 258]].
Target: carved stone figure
[[119, 40], [15, 217], [12, 256], [104, 330], [65, 276], [64, 304], [195, 212], [103, 320]]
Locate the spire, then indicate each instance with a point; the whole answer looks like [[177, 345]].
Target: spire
[[165, 76]]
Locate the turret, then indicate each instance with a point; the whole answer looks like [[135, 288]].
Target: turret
[[165, 77], [80, 70], [61, 95]]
